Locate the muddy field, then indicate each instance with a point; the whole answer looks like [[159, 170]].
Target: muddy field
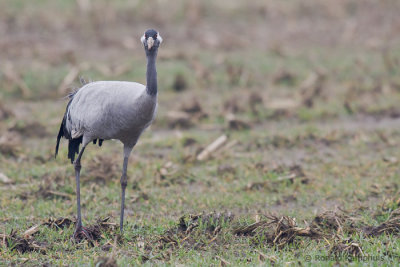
[[302, 99]]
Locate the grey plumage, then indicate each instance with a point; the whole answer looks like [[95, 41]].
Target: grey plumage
[[111, 110]]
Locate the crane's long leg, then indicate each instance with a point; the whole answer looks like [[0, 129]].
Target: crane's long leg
[[79, 229], [124, 182]]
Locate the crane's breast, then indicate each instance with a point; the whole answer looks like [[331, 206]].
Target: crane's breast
[[127, 118]]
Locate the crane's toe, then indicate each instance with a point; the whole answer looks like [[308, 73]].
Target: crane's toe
[[82, 233]]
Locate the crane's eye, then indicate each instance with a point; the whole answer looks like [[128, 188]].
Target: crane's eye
[[155, 36], [145, 36]]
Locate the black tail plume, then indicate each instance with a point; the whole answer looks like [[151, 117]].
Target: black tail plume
[[73, 147], [60, 134]]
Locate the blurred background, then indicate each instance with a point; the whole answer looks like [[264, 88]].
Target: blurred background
[[209, 46]]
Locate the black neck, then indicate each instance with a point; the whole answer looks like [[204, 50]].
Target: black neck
[[151, 74]]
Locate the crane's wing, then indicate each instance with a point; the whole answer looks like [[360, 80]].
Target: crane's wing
[[88, 111]]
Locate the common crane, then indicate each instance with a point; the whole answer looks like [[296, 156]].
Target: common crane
[[106, 110]]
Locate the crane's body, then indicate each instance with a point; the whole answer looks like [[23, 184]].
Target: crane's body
[[106, 110], [110, 110]]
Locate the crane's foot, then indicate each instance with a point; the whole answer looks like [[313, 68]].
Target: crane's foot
[[82, 233]]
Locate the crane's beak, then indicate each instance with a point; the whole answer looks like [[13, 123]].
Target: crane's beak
[[150, 42]]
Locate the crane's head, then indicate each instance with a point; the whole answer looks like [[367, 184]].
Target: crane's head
[[151, 40]]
